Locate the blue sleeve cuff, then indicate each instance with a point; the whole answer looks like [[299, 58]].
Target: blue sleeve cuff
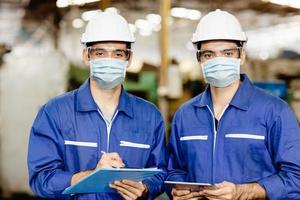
[[54, 186], [175, 175], [60, 181], [152, 189], [274, 187]]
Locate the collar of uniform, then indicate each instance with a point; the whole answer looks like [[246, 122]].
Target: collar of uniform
[[125, 103], [204, 99], [241, 99], [85, 101]]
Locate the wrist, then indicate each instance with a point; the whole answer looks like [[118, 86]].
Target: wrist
[[250, 191], [76, 177], [145, 192], [239, 191]]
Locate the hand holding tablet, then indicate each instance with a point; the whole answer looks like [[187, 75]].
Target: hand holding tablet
[[192, 186]]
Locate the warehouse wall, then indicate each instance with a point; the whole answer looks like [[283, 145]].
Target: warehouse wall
[[30, 76]]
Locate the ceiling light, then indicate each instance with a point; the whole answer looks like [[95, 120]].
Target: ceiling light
[[62, 3], [66, 3], [112, 10], [193, 14], [77, 23], [291, 3], [87, 15], [132, 28], [178, 12], [154, 18], [142, 24], [145, 32]]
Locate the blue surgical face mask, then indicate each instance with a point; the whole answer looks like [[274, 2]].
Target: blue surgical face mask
[[221, 71], [108, 73]]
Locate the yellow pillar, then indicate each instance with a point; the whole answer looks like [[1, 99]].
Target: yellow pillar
[[164, 51], [103, 4]]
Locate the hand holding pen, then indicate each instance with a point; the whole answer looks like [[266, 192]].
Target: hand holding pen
[[110, 160], [107, 160]]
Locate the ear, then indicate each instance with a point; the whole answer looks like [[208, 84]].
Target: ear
[[243, 56], [85, 56], [130, 59]]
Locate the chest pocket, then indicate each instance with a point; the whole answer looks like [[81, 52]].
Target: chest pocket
[[247, 156], [196, 143], [135, 147], [81, 148], [80, 155]]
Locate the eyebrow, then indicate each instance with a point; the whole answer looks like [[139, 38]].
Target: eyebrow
[[214, 50], [109, 47]]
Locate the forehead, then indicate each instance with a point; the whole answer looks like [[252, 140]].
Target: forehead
[[218, 44], [117, 45]]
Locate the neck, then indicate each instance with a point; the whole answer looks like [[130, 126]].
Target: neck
[[221, 97], [107, 100]]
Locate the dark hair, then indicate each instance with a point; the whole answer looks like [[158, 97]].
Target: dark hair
[[238, 43], [128, 44]]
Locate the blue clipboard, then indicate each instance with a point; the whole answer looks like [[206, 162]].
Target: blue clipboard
[[99, 180]]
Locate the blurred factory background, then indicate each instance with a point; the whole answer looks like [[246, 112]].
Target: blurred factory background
[[40, 57]]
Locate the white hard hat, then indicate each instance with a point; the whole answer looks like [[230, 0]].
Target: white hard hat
[[219, 25], [107, 26]]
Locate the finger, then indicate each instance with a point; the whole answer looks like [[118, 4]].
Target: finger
[[126, 197], [109, 163], [181, 192], [223, 184], [217, 192], [173, 192], [116, 164], [123, 191], [114, 156], [134, 187], [192, 195], [136, 191], [106, 161], [111, 156], [133, 184]]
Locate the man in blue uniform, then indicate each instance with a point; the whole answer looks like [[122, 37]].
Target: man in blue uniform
[[99, 124], [233, 135]]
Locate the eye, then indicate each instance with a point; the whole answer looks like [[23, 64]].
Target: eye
[[119, 54], [207, 54], [228, 53], [99, 52]]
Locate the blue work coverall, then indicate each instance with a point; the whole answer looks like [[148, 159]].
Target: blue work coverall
[[69, 134], [257, 140]]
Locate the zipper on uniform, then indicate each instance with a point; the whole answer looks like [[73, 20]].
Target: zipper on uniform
[[108, 127], [215, 130], [215, 134]]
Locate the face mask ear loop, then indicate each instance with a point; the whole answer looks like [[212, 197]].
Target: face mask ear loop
[[88, 52], [240, 48], [130, 54], [198, 56], [203, 71]]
